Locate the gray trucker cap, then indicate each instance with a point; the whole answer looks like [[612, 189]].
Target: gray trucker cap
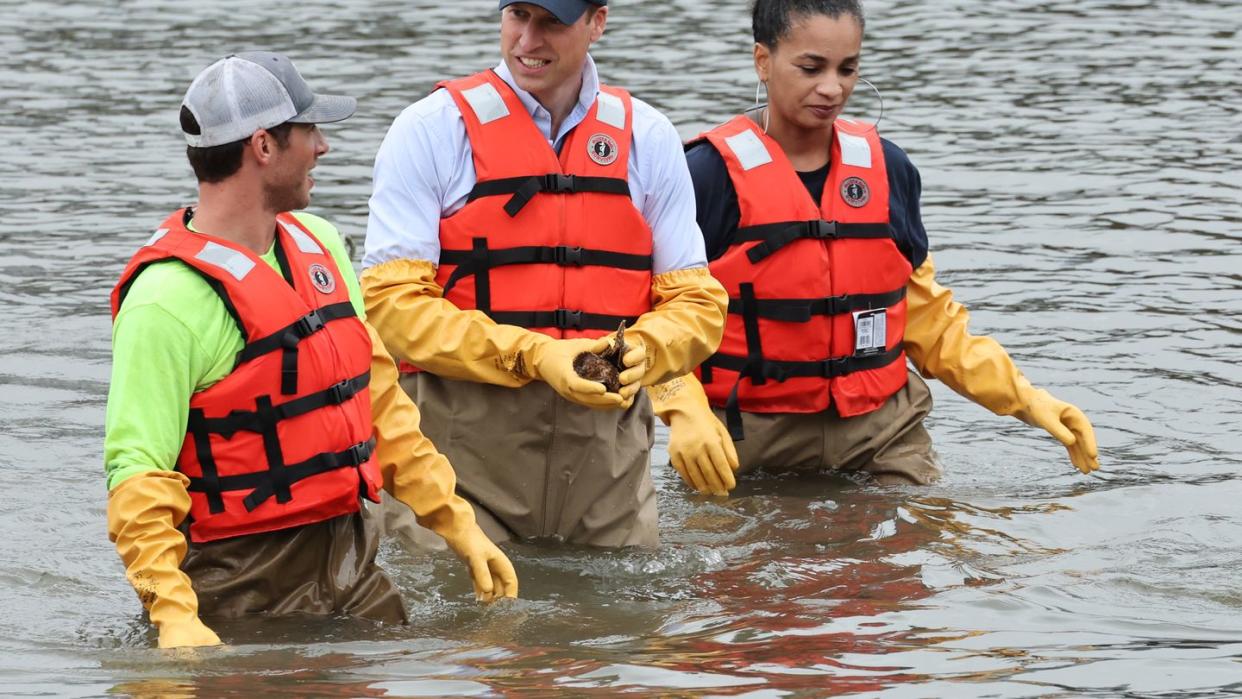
[[242, 93]]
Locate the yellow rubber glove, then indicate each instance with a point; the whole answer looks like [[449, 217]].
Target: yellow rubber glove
[[940, 345], [144, 511], [631, 378], [420, 476], [683, 327], [405, 304], [553, 362], [699, 447], [417, 324]]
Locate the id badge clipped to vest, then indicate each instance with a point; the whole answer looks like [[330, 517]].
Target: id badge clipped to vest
[[870, 332]]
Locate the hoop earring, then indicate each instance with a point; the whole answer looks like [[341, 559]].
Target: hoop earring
[[880, 96], [767, 113]]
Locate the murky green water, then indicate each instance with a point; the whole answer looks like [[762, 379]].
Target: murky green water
[[1080, 163]]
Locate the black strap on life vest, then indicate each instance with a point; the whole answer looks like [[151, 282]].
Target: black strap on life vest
[[562, 318], [282, 261], [524, 189], [479, 260], [262, 420], [288, 338], [775, 370], [262, 487], [209, 482], [249, 421], [277, 475], [759, 369], [803, 310], [777, 235]]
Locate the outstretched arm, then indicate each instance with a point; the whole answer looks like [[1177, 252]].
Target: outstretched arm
[[939, 343], [419, 476]]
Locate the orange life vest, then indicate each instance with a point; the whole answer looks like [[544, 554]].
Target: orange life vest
[[817, 307], [550, 243], [285, 439]]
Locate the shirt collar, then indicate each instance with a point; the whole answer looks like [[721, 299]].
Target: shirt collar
[[586, 96]]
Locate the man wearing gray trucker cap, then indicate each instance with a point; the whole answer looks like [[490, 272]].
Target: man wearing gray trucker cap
[[518, 216], [251, 407]]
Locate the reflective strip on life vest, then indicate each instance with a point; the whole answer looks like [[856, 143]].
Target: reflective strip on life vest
[[855, 150], [231, 261], [304, 242], [155, 237], [611, 110], [486, 102], [750, 151]]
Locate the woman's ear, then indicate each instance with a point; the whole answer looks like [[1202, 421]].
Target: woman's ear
[[763, 61]]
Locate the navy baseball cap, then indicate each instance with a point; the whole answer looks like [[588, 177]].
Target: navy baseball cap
[[567, 11]]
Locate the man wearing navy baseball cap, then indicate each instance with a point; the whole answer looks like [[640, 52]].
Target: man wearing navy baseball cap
[[519, 216], [566, 11]]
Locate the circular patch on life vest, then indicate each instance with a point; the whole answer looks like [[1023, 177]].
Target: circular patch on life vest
[[602, 149], [855, 192], [323, 280]]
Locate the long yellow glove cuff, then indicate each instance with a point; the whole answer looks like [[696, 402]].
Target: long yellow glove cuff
[[699, 447], [939, 343], [143, 514], [683, 327], [418, 325], [420, 476]]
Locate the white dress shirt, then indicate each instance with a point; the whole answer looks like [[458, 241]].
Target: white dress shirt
[[424, 171]]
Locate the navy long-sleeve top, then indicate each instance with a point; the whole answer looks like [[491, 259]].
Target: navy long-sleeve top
[[719, 213]]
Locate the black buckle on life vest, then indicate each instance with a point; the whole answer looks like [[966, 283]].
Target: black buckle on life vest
[[567, 256], [835, 368], [306, 326], [820, 229], [557, 183], [360, 453], [567, 319], [338, 393]]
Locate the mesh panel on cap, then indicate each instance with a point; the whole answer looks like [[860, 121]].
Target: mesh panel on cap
[[232, 99]]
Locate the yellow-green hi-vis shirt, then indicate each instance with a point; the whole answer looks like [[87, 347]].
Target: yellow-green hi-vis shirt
[[172, 338]]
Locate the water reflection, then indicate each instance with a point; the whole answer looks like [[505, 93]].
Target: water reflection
[[1081, 194]]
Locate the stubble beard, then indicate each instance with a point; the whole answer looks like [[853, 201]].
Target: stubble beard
[[280, 198]]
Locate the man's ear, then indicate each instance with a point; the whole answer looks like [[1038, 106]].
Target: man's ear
[[262, 146], [598, 22]]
